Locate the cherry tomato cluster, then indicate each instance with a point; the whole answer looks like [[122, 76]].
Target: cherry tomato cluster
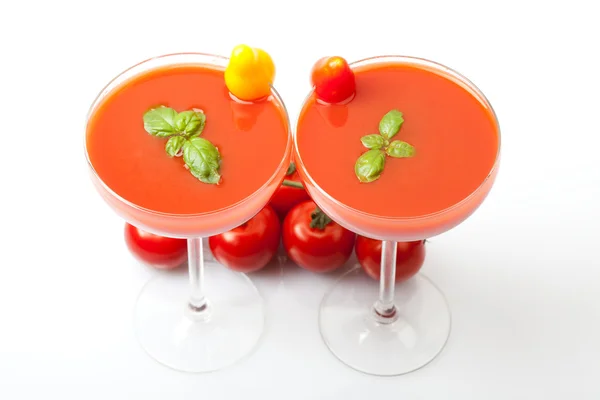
[[310, 238]]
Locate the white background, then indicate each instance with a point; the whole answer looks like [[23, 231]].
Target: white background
[[522, 275]]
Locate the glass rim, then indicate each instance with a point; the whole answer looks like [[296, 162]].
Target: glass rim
[[209, 60], [439, 69]]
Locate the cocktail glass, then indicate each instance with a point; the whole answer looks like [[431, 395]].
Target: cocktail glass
[[391, 329], [215, 317]]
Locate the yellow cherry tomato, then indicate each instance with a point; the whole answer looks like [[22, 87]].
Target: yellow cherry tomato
[[265, 60], [250, 73], [243, 58]]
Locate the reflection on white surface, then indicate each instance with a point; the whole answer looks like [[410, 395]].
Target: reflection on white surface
[[235, 322], [352, 333]]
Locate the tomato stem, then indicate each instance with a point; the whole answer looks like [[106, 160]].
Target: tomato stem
[[294, 184], [319, 220], [291, 169]]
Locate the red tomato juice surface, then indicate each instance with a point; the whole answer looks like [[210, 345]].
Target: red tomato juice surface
[[454, 135], [251, 138]]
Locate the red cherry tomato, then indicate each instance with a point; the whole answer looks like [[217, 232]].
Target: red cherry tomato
[[333, 79], [315, 242], [157, 251], [409, 257], [290, 193], [250, 246]]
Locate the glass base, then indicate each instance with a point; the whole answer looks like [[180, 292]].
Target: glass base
[[186, 340], [374, 345]]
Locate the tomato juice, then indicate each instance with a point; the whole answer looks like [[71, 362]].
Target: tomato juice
[[451, 126], [156, 192]]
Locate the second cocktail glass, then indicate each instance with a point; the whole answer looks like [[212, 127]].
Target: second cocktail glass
[[215, 316], [395, 329]]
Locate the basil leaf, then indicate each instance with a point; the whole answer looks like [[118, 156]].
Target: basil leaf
[[369, 166], [213, 177], [160, 121], [174, 145], [190, 123], [203, 159], [390, 124], [400, 149], [374, 141]]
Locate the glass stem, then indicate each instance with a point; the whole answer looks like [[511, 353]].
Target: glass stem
[[197, 300], [384, 307]]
